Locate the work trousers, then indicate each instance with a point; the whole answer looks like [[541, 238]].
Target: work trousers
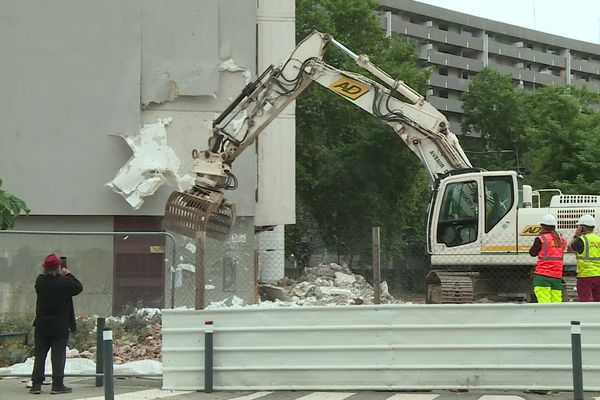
[[547, 289], [588, 289], [42, 344]]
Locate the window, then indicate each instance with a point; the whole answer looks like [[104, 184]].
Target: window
[[443, 26], [499, 199], [457, 223], [443, 93], [443, 71]]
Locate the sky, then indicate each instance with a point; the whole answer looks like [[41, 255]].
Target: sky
[[575, 19]]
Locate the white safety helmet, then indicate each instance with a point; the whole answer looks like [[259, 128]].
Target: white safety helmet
[[587, 220], [548, 219]]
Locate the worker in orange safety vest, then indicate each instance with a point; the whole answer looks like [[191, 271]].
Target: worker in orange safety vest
[[549, 247]]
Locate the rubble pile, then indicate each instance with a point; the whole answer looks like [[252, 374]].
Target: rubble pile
[[325, 284], [149, 348]]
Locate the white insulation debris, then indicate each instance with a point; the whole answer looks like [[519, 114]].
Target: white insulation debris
[[152, 161], [230, 66]]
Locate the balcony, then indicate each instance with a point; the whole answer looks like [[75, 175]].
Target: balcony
[[449, 82], [590, 67], [523, 53], [434, 34], [593, 86], [444, 104], [453, 61], [529, 76]]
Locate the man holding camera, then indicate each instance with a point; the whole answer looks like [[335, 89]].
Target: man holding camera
[[54, 319], [586, 245]]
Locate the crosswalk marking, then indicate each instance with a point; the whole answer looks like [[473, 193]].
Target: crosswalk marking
[[326, 396], [154, 394], [150, 394], [252, 396], [345, 395]]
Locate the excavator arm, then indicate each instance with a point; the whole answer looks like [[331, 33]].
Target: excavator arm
[[203, 208]]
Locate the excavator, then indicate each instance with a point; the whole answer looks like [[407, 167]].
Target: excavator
[[480, 223]]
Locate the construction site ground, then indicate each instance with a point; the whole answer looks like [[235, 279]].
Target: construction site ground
[[150, 389]]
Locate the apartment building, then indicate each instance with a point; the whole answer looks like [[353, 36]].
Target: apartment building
[[456, 46]]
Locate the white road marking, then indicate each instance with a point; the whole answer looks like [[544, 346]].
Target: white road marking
[[326, 396], [150, 394], [413, 396], [500, 397], [252, 396]]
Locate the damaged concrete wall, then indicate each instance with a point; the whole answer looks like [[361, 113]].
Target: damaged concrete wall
[[71, 86], [70, 77], [193, 115], [179, 56]]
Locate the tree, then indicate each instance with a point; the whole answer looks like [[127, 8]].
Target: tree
[[554, 130], [353, 172], [562, 137], [492, 108], [10, 207]]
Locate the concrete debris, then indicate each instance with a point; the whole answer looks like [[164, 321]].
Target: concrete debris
[[325, 284], [149, 348]]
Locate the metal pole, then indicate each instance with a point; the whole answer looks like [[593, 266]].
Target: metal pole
[[109, 388], [173, 273], [99, 351], [208, 356], [256, 278], [376, 266], [199, 300], [577, 367]]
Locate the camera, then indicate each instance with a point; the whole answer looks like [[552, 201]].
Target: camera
[[63, 262]]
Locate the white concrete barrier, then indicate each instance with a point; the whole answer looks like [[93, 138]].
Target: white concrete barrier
[[384, 347]]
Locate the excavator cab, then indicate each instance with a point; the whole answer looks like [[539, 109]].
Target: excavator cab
[[467, 207]]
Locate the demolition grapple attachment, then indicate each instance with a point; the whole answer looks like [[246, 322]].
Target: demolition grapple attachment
[[193, 212]]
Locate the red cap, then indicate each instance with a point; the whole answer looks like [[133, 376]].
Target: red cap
[[51, 261]]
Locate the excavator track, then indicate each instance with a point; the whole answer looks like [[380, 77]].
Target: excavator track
[[451, 287], [191, 215]]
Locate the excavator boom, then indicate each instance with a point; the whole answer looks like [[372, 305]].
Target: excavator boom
[[204, 210]]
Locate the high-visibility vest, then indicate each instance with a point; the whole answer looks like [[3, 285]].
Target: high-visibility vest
[[588, 262], [550, 257]]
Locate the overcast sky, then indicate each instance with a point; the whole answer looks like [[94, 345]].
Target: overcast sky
[[576, 19]]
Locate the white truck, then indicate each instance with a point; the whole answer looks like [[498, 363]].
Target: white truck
[[480, 223]]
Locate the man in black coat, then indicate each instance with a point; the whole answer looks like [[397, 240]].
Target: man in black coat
[[54, 319]]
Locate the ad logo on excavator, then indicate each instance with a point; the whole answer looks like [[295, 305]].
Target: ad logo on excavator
[[349, 88], [531, 230]]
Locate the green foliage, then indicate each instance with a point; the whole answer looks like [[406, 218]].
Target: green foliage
[[353, 172], [13, 350], [493, 108], [85, 336], [131, 327], [133, 324], [10, 207], [13, 353], [554, 129], [17, 322]]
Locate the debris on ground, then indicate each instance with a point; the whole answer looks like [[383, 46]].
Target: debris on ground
[[148, 348], [325, 284]]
